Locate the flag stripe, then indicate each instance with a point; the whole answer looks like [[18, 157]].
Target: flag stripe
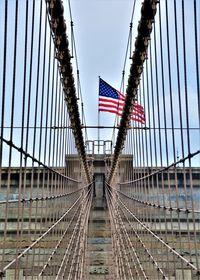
[[112, 101], [116, 112], [139, 111], [119, 104], [106, 100], [120, 108], [115, 104]]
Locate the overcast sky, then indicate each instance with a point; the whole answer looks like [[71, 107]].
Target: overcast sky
[[101, 30]]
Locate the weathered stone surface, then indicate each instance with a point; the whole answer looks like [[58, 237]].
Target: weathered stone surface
[[99, 247]]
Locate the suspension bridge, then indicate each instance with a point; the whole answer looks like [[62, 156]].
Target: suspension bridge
[[72, 207]]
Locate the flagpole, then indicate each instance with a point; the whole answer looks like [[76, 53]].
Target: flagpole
[[98, 130]]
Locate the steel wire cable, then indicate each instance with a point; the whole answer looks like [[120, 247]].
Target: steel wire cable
[[41, 175], [156, 175], [127, 238]]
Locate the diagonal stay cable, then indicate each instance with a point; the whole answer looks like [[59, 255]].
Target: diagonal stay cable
[[32, 245], [120, 203]]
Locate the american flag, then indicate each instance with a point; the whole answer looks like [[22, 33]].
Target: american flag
[[112, 101]]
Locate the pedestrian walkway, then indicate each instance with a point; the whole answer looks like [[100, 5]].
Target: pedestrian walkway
[[99, 253]]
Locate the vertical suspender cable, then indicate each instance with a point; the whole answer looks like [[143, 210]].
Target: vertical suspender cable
[[148, 12]]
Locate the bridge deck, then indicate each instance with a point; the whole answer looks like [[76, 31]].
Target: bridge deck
[[99, 251]]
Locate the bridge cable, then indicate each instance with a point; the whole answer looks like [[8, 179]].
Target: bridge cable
[[128, 49], [148, 12], [74, 54], [55, 13]]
